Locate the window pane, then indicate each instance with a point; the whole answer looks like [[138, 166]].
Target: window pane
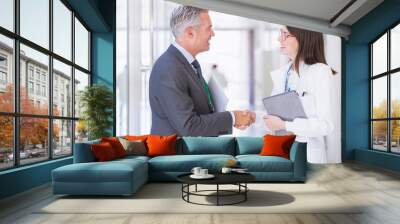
[[81, 81], [62, 29], [81, 131], [33, 139], [395, 136], [6, 74], [34, 81], [35, 21], [6, 142], [81, 45], [7, 14], [395, 94], [379, 55], [379, 97], [62, 137], [395, 47], [379, 135], [62, 89]]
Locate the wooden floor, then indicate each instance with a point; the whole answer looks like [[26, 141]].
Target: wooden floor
[[377, 188]]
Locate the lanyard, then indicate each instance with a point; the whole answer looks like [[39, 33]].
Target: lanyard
[[287, 89]]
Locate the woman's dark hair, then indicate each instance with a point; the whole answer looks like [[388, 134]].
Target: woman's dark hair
[[311, 47]]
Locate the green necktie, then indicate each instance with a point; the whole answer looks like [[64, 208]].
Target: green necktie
[[196, 65]]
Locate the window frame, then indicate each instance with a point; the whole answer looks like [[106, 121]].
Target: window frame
[[388, 74], [16, 114]]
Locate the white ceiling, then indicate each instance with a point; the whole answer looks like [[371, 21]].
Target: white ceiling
[[321, 9], [317, 15]]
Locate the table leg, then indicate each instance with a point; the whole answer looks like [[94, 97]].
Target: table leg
[[196, 188], [245, 193], [217, 194]]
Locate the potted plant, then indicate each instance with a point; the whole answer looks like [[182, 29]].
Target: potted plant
[[97, 105]]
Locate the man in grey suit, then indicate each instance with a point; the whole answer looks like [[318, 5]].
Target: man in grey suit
[[181, 102]]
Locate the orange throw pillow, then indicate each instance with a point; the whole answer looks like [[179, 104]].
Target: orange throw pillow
[[103, 152], [161, 145], [116, 145], [277, 145], [136, 137]]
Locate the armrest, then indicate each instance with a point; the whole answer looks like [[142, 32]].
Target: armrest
[[83, 152], [298, 155]]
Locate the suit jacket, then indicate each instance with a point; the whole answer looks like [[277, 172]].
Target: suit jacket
[[178, 101]]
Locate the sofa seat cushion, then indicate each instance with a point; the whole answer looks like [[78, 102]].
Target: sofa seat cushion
[[185, 163], [112, 171], [133, 158], [206, 145], [257, 163]]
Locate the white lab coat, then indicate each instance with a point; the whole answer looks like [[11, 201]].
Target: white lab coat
[[317, 129]]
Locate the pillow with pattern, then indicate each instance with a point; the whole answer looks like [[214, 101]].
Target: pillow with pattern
[[134, 147]]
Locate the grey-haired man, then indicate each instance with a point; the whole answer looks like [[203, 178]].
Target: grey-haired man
[[181, 102]]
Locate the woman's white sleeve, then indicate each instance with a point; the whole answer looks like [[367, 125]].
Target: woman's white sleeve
[[322, 123]]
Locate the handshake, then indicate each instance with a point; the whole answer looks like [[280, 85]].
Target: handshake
[[244, 119]]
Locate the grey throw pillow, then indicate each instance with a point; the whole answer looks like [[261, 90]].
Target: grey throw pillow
[[137, 147]]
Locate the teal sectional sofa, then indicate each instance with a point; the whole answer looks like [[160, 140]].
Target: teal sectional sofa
[[125, 176]]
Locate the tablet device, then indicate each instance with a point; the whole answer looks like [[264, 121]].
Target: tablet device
[[286, 105]]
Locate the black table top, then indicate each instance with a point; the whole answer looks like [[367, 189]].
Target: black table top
[[220, 178]]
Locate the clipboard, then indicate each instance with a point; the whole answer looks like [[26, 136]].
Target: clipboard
[[286, 105]]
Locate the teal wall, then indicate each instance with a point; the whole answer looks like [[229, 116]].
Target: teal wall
[[103, 61], [99, 16], [24, 178], [356, 85]]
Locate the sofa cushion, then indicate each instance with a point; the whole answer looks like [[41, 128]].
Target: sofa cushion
[[257, 163], [277, 145], [103, 152], [161, 145], [136, 137], [249, 145], [206, 145], [83, 152], [116, 145], [134, 147], [185, 163], [112, 171]]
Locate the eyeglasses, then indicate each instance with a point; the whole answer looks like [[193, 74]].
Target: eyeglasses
[[283, 36]]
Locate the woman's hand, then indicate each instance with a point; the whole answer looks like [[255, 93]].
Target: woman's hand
[[274, 123]]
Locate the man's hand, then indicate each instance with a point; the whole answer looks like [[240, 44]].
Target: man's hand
[[243, 119], [274, 123]]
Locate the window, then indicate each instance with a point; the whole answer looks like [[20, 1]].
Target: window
[[53, 125], [81, 45], [6, 142], [30, 87], [6, 74], [30, 72], [62, 29], [385, 94], [62, 74], [38, 89], [7, 14], [34, 22], [3, 61], [81, 81], [3, 78], [3, 72], [37, 75], [44, 91]]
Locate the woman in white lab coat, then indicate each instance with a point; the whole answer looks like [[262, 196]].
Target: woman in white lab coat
[[310, 76]]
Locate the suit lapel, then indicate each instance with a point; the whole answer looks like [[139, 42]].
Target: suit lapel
[[189, 69]]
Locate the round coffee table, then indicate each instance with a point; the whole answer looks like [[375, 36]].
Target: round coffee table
[[238, 179]]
